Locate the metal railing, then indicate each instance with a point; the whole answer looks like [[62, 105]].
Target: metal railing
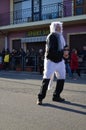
[[51, 11], [24, 62], [32, 63]]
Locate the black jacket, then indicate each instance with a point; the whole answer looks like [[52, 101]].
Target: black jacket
[[53, 52]]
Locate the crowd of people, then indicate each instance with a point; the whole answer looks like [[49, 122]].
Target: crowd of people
[[73, 58], [10, 60], [71, 62]]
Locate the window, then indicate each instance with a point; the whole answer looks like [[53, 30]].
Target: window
[[79, 2], [36, 9], [22, 10], [80, 6], [36, 17], [79, 10], [36, 6]]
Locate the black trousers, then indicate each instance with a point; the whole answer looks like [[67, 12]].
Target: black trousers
[[44, 87]]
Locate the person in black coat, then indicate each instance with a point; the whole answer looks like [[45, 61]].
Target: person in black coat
[[53, 63]]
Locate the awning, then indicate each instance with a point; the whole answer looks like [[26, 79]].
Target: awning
[[33, 39]]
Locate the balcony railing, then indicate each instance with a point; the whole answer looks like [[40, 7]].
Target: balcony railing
[[57, 10]]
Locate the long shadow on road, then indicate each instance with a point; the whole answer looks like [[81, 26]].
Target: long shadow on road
[[66, 108]]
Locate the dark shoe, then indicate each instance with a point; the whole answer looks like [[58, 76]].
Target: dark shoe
[[39, 102], [59, 99]]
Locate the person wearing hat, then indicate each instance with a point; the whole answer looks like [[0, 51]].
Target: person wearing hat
[[53, 63]]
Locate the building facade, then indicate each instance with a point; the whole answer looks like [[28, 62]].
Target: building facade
[[25, 23]]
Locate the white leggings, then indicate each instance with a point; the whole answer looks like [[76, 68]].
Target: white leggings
[[51, 68]]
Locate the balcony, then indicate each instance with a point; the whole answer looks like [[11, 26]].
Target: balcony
[[54, 11]]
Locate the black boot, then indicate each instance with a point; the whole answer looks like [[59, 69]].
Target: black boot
[[58, 90], [43, 91]]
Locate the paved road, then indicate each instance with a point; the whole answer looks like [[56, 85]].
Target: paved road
[[18, 109]]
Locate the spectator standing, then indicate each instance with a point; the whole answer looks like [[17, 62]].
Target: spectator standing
[[6, 60], [22, 56], [66, 57], [13, 59], [3, 54], [33, 55], [28, 58], [0, 61], [74, 63], [41, 61]]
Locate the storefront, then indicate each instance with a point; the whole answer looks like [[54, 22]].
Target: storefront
[[34, 42], [30, 39]]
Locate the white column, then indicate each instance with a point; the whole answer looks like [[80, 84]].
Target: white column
[[6, 46], [23, 45]]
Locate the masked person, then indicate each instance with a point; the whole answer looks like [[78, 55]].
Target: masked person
[[53, 63]]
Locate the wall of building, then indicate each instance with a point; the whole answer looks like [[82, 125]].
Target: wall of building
[[4, 6], [67, 31], [4, 12], [75, 30], [14, 36]]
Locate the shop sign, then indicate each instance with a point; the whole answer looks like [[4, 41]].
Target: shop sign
[[38, 33]]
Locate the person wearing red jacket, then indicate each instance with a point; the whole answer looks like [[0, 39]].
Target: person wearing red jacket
[[74, 64]]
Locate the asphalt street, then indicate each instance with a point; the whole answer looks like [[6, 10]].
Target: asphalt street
[[19, 111]]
